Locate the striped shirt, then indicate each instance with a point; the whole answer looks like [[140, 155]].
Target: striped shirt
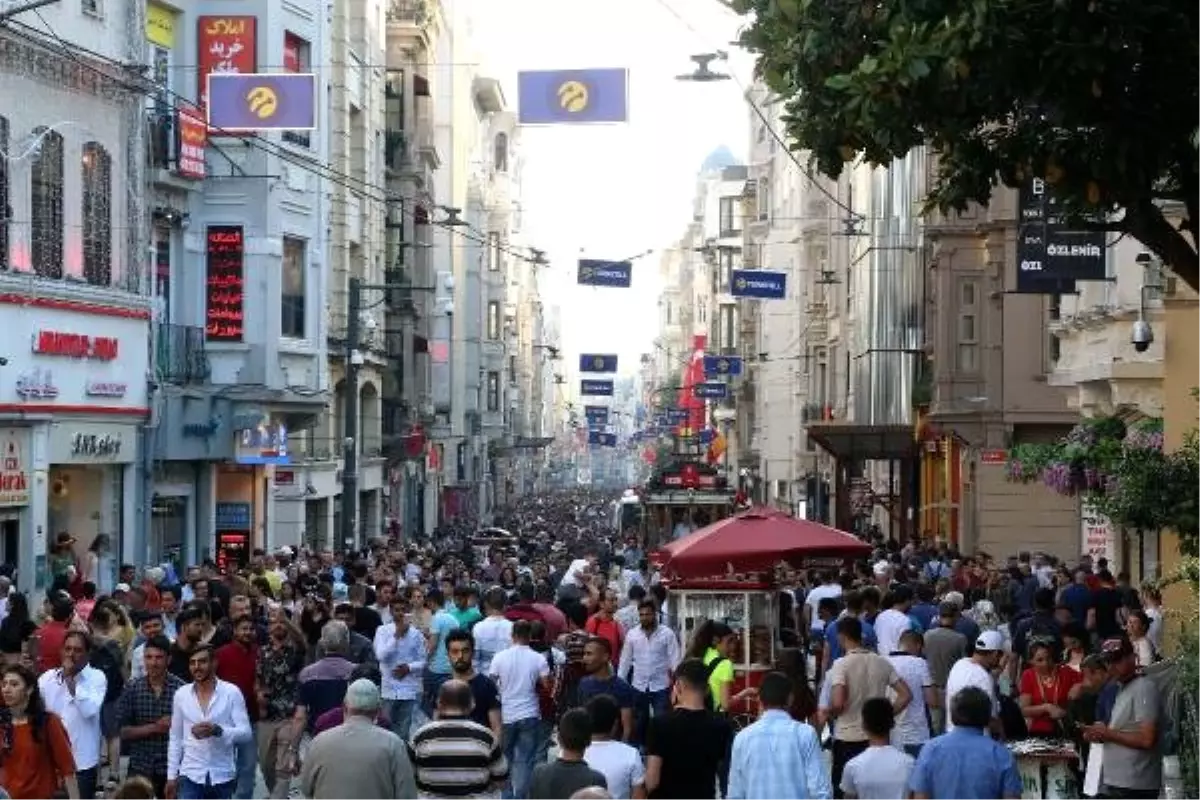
[[456, 758]]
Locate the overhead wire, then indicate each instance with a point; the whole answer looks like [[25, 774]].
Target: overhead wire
[[386, 197]]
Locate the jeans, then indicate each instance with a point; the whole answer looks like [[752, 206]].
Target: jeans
[[644, 703], [275, 756], [86, 778], [432, 684], [522, 744], [190, 790], [400, 715], [247, 767]]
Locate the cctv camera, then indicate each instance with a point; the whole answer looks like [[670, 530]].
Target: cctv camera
[[1142, 336]]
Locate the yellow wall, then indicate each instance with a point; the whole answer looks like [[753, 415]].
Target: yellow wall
[[1181, 374]]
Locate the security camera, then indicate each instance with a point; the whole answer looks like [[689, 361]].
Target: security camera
[[1142, 336]]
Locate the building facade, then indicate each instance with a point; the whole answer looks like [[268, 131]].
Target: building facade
[[74, 285]]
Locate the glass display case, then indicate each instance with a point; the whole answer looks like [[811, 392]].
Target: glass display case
[[750, 610]]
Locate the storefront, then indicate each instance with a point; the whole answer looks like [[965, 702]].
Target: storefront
[[72, 405], [260, 446]]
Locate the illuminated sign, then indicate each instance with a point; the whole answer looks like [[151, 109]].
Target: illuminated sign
[[224, 44], [75, 345], [224, 317], [14, 484]]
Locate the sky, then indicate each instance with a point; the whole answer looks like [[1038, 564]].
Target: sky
[[612, 191]]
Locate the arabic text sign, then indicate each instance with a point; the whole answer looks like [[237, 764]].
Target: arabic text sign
[[722, 365], [595, 272], [760, 284], [593, 388], [710, 391], [597, 363], [224, 44]]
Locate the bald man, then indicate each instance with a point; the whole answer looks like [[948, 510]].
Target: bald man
[[455, 756]]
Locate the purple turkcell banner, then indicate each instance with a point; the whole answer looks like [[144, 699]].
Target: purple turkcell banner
[[255, 102]]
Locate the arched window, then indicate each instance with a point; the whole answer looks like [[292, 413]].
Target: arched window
[[97, 214], [46, 205], [501, 157]]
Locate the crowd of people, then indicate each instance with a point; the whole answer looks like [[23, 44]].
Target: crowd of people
[[545, 660]]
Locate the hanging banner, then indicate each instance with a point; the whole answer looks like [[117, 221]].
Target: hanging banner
[[602, 439], [613, 274], [193, 139], [224, 44], [596, 415], [256, 102], [597, 363], [722, 365], [759, 284], [710, 391], [572, 96], [594, 388], [677, 416], [1098, 538], [1051, 255]]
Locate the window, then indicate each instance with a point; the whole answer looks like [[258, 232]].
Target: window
[[291, 292], [46, 204], [5, 207], [93, 8], [763, 201], [730, 225], [493, 391], [162, 269], [393, 111], [493, 319], [725, 278], [493, 252], [668, 312], [296, 51], [500, 160], [967, 352], [97, 214]]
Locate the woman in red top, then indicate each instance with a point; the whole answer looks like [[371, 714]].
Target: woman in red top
[[35, 751], [604, 625], [1045, 686]]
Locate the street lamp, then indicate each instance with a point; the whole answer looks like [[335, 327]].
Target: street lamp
[[702, 73], [350, 399]]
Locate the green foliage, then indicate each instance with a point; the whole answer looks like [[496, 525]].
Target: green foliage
[[1097, 96]]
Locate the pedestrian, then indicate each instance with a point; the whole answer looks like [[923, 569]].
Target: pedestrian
[[322, 684], [518, 671], [493, 633], [601, 679], [881, 772], [75, 692], [401, 651], [237, 663], [777, 756], [569, 772], [976, 670], [34, 745], [485, 695], [276, 685], [912, 725], [650, 653], [621, 764], [437, 670], [208, 722], [144, 714], [358, 759], [943, 647], [965, 762], [604, 623], [454, 756], [854, 678], [1131, 765], [687, 748]]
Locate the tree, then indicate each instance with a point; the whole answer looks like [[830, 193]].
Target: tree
[[1099, 97]]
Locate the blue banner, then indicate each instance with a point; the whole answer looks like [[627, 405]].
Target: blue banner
[[596, 415], [677, 416], [707, 435], [614, 274], [722, 365], [597, 363], [594, 388], [710, 391], [283, 101], [662, 421], [602, 439], [572, 96], [758, 283]]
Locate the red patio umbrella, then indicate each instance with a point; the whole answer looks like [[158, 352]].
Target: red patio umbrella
[[755, 541]]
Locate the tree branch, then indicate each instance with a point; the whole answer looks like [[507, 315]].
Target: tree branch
[[1147, 224]]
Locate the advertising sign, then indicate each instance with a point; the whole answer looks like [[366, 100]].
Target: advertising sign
[[602, 439], [224, 44], [1098, 537], [14, 478], [760, 284], [257, 102], [572, 96], [613, 274], [594, 388], [597, 363], [722, 365], [596, 415], [193, 138], [1051, 255], [225, 313], [265, 444], [710, 391]]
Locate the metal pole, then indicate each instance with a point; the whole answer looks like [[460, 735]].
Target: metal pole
[[350, 418]]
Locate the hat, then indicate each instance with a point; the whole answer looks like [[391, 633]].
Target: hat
[[882, 568], [362, 695], [121, 587], [1115, 649], [989, 642], [948, 609]]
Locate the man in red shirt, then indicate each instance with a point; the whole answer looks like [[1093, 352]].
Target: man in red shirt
[[53, 633], [604, 625], [237, 663]]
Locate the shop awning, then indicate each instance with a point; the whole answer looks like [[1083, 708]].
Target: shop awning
[[857, 442]]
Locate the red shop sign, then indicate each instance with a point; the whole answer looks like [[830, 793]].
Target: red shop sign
[[224, 44], [75, 345]]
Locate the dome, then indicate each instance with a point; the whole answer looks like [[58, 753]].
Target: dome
[[719, 159]]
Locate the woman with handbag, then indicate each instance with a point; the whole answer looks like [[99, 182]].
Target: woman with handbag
[[1045, 688], [35, 751]]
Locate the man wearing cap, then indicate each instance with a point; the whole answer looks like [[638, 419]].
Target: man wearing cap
[[358, 758], [1131, 764], [976, 670]]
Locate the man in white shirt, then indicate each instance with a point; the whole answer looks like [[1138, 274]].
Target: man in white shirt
[[893, 621], [208, 721], [829, 588], [493, 633], [912, 726], [401, 651], [976, 670], [517, 672], [620, 763], [648, 659], [75, 692]]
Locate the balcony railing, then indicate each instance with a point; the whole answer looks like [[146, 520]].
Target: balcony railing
[[162, 143], [180, 355]]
